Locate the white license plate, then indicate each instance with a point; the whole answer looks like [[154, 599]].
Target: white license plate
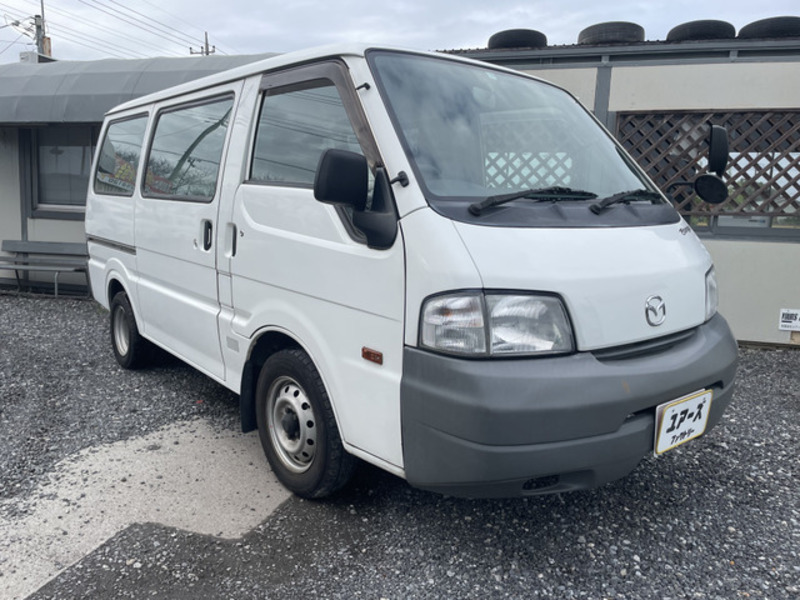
[[681, 420]]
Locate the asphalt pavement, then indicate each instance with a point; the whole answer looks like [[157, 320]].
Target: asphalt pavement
[[84, 444]]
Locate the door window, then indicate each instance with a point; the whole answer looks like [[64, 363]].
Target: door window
[[295, 127]]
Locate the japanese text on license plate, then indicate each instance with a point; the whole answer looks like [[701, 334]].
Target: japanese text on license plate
[[681, 420]]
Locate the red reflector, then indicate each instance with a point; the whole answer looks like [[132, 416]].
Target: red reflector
[[372, 355]]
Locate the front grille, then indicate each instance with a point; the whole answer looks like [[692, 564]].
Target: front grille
[[646, 348]]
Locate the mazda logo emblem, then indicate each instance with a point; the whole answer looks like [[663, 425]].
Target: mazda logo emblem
[[655, 310]]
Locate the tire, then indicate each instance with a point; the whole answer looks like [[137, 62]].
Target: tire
[[702, 30], [131, 350], [776, 27], [517, 38], [613, 32], [297, 427]]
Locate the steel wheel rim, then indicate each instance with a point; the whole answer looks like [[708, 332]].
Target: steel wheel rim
[[292, 424], [122, 338]]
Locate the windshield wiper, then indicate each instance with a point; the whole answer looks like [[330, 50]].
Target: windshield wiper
[[549, 193], [641, 194]]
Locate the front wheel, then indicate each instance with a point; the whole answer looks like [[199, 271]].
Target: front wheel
[[297, 427]]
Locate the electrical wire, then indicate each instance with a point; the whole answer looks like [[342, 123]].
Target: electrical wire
[[183, 21], [166, 28], [111, 13], [12, 43], [164, 37], [93, 41]]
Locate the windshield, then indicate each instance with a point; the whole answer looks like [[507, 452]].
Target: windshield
[[472, 132]]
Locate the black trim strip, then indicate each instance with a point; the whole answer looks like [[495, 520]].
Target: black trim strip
[[645, 348], [112, 244]]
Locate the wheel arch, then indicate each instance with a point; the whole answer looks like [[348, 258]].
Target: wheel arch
[[113, 287], [265, 345]]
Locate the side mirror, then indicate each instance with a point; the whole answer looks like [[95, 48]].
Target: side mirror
[[341, 178], [717, 150], [711, 188]]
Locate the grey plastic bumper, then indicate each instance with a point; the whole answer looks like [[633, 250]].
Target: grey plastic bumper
[[496, 428]]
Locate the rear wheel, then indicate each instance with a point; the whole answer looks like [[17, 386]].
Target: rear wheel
[[131, 350], [297, 427]]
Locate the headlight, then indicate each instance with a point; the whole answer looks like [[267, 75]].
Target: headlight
[[712, 294], [487, 324]]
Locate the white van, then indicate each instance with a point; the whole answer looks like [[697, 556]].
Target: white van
[[441, 267]]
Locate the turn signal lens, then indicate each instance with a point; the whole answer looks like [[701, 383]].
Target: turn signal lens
[[712, 293]]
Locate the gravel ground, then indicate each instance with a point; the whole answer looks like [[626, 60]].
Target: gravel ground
[[716, 519], [61, 389]]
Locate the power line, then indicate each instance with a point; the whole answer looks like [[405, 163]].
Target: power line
[[164, 36], [81, 40], [165, 27], [12, 43], [102, 9], [93, 41], [181, 20], [11, 10]]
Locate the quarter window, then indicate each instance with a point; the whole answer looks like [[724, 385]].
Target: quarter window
[[295, 127], [186, 151], [119, 157]]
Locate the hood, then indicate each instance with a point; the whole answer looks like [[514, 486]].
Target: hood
[[605, 276]]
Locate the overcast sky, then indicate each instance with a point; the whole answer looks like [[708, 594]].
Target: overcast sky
[[95, 29]]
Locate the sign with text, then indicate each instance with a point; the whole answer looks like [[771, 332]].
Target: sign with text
[[789, 319]]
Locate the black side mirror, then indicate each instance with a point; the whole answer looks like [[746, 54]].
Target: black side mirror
[[341, 178], [711, 188], [379, 223], [717, 150]]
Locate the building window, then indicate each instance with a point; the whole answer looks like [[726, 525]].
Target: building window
[[61, 160], [763, 173]]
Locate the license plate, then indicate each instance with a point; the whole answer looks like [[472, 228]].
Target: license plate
[[681, 420]]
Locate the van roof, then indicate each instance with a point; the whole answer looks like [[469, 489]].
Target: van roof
[[271, 63]]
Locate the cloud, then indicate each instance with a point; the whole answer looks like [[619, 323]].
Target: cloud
[[82, 31]]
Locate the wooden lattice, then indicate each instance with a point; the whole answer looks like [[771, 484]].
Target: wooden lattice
[[519, 153], [527, 170], [763, 173]]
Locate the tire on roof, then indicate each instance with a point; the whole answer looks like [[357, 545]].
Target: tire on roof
[[613, 32], [775, 27], [518, 38], [707, 29]]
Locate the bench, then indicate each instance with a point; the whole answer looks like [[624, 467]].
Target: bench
[[52, 257]]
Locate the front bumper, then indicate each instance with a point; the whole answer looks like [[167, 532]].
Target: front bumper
[[498, 428]]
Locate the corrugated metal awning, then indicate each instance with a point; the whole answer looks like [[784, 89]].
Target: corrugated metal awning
[[82, 92]]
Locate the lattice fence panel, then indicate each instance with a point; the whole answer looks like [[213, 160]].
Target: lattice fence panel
[[763, 173], [518, 154]]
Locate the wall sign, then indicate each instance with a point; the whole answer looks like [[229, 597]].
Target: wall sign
[[789, 319]]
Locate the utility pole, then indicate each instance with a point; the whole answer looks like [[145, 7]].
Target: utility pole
[[39, 21], [43, 47], [205, 51]]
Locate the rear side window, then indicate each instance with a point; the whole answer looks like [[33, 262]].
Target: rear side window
[[119, 157], [186, 150], [295, 127]]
